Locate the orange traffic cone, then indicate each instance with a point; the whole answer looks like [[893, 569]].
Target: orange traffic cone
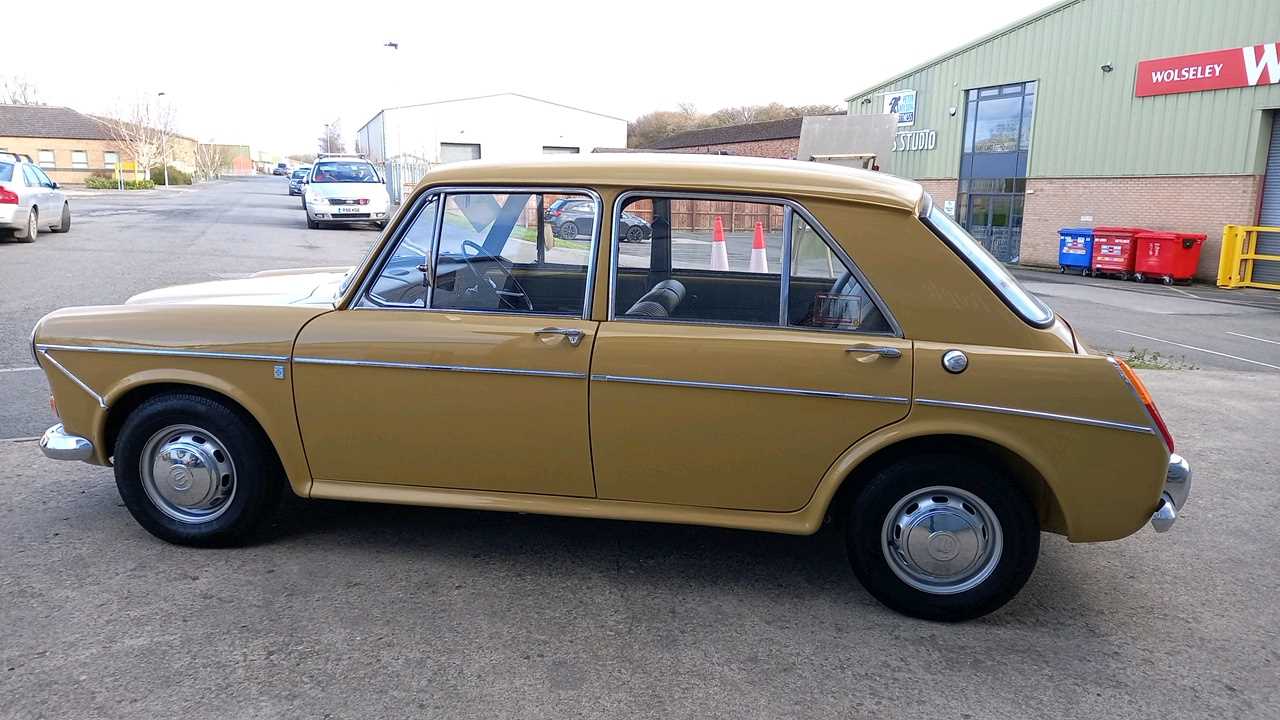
[[759, 262], [719, 252]]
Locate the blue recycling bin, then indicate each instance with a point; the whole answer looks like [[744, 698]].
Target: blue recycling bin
[[1075, 249]]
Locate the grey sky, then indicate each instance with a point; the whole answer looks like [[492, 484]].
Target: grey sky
[[270, 74]]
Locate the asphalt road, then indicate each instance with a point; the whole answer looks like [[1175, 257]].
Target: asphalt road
[[121, 244], [363, 611]]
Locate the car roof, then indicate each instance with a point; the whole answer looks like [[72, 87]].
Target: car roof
[[673, 171]]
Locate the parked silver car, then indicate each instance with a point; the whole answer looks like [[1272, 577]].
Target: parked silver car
[[29, 200], [344, 190]]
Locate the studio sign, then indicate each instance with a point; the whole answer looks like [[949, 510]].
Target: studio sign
[[915, 140]]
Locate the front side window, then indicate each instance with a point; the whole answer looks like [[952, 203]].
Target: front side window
[[32, 176], [41, 178], [344, 172], [45, 158], [403, 280], [509, 253]]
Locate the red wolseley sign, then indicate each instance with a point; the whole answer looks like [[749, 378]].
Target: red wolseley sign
[[1237, 67]]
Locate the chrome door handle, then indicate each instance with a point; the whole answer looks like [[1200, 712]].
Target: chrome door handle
[[574, 336], [889, 352]]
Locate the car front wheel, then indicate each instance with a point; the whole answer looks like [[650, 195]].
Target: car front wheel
[[193, 471], [942, 537], [65, 225]]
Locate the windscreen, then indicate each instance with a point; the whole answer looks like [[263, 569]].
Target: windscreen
[[1031, 308], [344, 172]]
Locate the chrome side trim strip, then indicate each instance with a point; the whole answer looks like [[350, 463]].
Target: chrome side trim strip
[[802, 392], [168, 353], [1110, 424], [443, 368], [72, 377]]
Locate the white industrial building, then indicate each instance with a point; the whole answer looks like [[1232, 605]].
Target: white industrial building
[[507, 126]]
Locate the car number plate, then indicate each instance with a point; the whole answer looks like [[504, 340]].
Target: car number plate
[[343, 210]]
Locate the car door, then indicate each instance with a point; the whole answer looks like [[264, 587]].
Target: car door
[[723, 380], [476, 380], [52, 197]]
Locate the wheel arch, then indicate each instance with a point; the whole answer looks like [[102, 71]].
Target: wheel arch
[[125, 401], [1031, 481]]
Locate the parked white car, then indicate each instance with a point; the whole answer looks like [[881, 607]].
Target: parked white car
[[344, 190], [29, 200]]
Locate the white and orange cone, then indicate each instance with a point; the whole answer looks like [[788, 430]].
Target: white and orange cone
[[719, 252], [759, 261]]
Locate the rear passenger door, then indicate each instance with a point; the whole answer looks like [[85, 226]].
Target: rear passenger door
[[731, 382]]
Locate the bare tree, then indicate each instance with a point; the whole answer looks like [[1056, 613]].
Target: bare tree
[[331, 140], [211, 160], [18, 91], [134, 129], [163, 121]]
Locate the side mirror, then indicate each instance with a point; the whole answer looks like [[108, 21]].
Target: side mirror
[[54, 184]]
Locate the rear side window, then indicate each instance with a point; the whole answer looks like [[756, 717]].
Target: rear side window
[[6, 172], [1030, 308], [733, 261]]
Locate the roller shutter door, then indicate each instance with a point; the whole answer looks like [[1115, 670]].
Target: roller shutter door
[[1269, 243]]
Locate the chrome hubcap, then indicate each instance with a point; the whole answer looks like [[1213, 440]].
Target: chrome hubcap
[[187, 474], [942, 540]]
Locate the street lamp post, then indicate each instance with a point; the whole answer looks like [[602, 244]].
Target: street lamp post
[[165, 155]]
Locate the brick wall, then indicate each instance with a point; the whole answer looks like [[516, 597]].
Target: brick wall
[[63, 171], [1199, 204], [941, 190], [783, 148]]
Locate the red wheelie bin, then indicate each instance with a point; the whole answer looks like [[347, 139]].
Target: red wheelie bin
[[1170, 256], [1113, 251]]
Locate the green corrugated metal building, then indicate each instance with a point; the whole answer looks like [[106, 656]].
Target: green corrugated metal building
[[1088, 114]]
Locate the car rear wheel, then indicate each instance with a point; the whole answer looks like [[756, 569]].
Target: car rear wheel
[[942, 537], [193, 471], [65, 225], [31, 229], [568, 230]]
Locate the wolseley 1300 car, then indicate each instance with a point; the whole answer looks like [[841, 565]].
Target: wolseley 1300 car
[[797, 342]]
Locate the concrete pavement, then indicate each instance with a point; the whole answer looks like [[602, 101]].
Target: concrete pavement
[[362, 611]]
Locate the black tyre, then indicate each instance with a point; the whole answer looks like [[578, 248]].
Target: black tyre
[[568, 230], [382, 224], [942, 537], [65, 225], [635, 234], [30, 229], [312, 224], [193, 471]]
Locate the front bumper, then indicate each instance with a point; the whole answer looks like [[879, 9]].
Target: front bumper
[[1177, 487], [58, 444], [365, 213]]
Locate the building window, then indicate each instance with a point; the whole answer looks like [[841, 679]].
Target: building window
[[457, 152], [110, 159], [46, 159], [993, 166], [80, 159], [559, 150]]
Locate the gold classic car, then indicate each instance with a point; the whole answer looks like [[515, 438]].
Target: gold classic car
[[787, 343]]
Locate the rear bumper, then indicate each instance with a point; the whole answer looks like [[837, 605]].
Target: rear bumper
[[1177, 488], [11, 218], [58, 444]]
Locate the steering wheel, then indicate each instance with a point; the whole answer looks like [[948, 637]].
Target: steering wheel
[[507, 297], [842, 283]]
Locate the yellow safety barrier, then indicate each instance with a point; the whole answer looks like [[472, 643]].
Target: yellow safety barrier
[[1239, 251]]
